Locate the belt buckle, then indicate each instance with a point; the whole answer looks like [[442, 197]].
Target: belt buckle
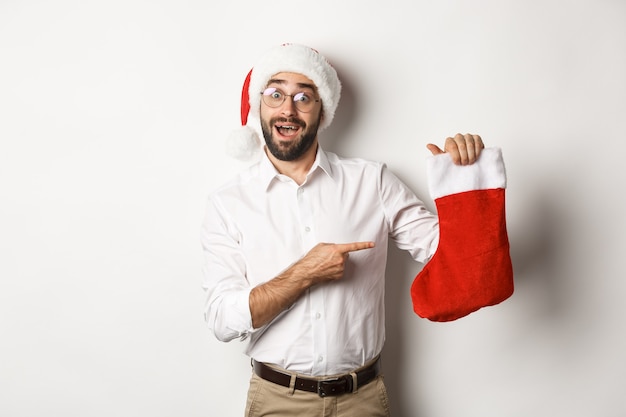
[[331, 387]]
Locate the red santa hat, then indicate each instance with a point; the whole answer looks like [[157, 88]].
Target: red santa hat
[[244, 143]]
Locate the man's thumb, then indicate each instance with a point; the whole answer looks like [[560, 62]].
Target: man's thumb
[[434, 149]]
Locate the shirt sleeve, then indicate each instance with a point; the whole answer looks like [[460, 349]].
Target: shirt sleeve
[[412, 227], [227, 308]]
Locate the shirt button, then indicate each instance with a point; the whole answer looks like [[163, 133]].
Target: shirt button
[[320, 358], [307, 229], [318, 316]]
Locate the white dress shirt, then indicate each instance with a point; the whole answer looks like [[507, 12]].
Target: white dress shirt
[[261, 222]]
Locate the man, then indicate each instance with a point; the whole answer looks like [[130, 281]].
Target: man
[[295, 246]]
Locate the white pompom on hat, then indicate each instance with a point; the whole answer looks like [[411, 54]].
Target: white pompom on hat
[[244, 143]]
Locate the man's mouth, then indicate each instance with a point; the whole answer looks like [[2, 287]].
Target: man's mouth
[[287, 130]]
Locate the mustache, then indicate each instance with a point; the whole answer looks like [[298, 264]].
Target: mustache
[[291, 120]]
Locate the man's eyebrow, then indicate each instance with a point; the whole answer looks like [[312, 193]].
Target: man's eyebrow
[[300, 85]]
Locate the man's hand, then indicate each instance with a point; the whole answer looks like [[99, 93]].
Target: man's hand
[[463, 149], [327, 261]]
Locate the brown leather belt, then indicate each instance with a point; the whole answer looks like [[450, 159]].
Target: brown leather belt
[[323, 387]]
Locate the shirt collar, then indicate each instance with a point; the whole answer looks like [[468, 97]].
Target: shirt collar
[[267, 171]]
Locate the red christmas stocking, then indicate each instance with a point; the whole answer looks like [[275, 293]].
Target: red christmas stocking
[[471, 267]]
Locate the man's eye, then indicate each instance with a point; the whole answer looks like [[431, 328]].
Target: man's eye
[[302, 97], [272, 92]]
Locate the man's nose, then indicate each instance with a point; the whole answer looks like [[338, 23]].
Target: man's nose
[[288, 106]]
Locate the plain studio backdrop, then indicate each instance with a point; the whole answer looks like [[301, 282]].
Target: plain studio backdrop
[[113, 120]]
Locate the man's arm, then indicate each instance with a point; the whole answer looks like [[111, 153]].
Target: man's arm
[[324, 263]]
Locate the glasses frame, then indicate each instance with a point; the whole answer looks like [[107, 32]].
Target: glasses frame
[[295, 103]]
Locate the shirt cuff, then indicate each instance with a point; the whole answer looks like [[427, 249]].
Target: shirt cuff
[[232, 319], [242, 307], [446, 178]]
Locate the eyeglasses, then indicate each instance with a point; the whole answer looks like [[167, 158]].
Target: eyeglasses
[[273, 97]]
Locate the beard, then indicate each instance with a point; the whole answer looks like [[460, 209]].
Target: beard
[[293, 149]]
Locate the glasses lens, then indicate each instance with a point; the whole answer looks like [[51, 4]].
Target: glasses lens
[[303, 101], [273, 97]]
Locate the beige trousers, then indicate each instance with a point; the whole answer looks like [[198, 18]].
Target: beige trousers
[[268, 399]]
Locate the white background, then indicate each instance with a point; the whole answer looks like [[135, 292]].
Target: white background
[[113, 117]]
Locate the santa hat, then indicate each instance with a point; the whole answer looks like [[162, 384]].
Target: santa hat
[[244, 143]]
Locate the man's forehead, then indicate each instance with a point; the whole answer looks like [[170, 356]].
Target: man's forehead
[[287, 78]]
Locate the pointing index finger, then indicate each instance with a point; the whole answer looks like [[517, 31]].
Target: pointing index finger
[[355, 246]]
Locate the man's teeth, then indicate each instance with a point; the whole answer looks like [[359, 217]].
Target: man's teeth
[[287, 130]]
